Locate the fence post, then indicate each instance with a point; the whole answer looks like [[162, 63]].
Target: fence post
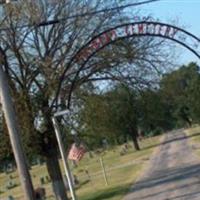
[[103, 170]]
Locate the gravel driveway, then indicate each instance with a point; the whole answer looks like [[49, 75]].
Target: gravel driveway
[[174, 172]]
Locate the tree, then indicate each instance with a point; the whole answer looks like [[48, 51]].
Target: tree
[[154, 112], [111, 115], [36, 58], [6, 154], [192, 92], [125, 112], [93, 120], [180, 90]]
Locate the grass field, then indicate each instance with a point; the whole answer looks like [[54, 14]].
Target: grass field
[[121, 172]]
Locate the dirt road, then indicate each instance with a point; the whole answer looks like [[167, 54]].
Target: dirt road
[[174, 172]]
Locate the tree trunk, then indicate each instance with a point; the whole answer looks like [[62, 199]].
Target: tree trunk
[[189, 122], [134, 135], [135, 143], [49, 148], [56, 177]]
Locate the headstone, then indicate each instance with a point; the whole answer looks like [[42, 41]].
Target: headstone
[[42, 181], [74, 178], [47, 179], [40, 193], [76, 181], [105, 144], [10, 185], [66, 182], [10, 198]]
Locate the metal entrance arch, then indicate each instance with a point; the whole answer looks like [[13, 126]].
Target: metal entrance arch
[[79, 60], [135, 29]]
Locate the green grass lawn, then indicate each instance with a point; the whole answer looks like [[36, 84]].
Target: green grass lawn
[[121, 172]]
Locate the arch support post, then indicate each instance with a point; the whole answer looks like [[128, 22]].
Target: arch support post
[[64, 159]]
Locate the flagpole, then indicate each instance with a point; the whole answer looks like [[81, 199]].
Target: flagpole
[[64, 158]]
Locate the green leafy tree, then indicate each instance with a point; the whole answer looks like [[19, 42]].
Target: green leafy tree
[[154, 112], [111, 115], [193, 93], [180, 91], [6, 154], [124, 109]]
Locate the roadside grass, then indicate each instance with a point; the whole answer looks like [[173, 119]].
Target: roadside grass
[[121, 171], [119, 184], [194, 135]]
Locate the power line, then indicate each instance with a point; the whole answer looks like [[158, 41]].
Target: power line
[[50, 22], [56, 21], [114, 8]]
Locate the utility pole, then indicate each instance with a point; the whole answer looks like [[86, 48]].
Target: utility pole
[[13, 130]]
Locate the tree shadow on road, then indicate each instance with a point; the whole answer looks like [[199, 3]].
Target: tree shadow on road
[[173, 176], [182, 137]]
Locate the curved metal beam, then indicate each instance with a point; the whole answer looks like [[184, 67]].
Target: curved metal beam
[[168, 29]]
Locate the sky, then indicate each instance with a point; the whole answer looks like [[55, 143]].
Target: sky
[[186, 12]]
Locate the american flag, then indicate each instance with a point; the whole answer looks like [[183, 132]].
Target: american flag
[[76, 152]]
